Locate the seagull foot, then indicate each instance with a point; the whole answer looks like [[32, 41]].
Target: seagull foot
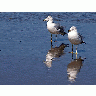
[[76, 53], [73, 52]]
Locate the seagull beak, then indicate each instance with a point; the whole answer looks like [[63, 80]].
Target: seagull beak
[[69, 30]]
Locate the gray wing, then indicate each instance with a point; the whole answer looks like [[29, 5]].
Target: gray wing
[[59, 28], [80, 36]]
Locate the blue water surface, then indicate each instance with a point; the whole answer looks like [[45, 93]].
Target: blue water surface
[[27, 57]]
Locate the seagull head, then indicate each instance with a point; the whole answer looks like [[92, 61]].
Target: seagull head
[[49, 18], [73, 28]]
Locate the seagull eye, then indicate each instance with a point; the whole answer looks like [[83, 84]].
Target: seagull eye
[[72, 29]]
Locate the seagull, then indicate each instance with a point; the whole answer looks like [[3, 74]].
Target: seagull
[[54, 28], [75, 37]]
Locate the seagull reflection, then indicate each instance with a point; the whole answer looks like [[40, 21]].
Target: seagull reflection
[[74, 67], [54, 53]]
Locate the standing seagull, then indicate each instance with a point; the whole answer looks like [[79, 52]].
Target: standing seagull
[[75, 37], [54, 28]]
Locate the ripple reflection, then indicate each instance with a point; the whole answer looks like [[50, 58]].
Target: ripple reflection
[[74, 67]]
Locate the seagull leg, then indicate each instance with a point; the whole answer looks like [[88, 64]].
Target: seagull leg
[[72, 56], [76, 51], [51, 39], [76, 56], [72, 48]]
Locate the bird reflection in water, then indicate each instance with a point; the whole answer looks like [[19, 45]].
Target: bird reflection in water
[[54, 53], [74, 67]]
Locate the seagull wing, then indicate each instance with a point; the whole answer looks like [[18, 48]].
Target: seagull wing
[[80, 36], [59, 28]]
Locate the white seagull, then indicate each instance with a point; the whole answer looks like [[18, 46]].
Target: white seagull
[[54, 28], [75, 37]]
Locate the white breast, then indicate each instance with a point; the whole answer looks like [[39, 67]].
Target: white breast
[[74, 38], [51, 28]]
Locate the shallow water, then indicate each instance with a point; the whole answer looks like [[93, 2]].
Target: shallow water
[[27, 57]]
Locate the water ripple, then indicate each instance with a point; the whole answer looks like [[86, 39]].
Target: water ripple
[[81, 17]]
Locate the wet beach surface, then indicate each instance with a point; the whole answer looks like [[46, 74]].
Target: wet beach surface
[[27, 57]]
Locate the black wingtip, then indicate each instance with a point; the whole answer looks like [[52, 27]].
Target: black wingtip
[[83, 42]]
